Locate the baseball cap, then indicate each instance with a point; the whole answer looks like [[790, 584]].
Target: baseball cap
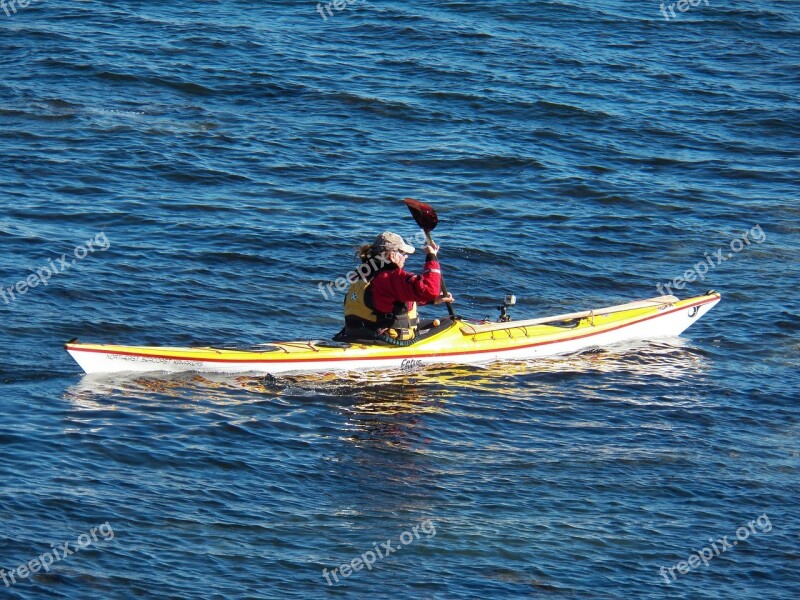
[[388, 242]]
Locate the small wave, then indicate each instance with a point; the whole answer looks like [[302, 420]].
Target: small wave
[[115, 112]]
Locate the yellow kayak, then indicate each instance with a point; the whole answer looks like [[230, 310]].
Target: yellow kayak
[[452, 341]]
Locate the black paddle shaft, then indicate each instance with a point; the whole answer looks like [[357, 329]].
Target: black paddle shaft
[[441, 281]]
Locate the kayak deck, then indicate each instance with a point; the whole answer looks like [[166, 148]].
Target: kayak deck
[[454, 341]]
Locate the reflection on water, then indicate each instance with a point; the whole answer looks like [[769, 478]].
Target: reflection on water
[[361, 456]]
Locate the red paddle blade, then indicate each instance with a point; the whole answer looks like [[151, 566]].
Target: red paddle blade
[[423, 214]]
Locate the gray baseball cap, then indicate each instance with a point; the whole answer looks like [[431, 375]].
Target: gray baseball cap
[[388, 242]]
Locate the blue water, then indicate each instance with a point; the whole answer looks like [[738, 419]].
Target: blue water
[[233, 154]]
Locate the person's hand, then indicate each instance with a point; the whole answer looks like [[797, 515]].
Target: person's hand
[[449, 298], [431, 248]]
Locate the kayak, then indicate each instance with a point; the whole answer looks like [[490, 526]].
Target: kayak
[[451, 340]]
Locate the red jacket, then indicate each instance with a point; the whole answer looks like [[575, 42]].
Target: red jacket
[[397, 285]]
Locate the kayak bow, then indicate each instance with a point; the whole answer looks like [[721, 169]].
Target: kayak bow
[[453, 341]]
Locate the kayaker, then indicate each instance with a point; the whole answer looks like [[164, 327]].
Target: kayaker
[[382, 304]]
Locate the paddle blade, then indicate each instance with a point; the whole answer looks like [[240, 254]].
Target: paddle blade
[[423, 214]]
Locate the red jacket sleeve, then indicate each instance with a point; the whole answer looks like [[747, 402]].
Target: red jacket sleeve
[[398, 285]]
